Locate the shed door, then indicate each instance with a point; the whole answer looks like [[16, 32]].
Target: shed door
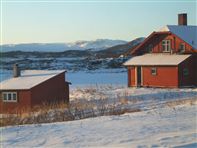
[[139, 76]]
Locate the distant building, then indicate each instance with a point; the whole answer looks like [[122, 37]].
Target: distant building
[[32, 88], [167, 58]]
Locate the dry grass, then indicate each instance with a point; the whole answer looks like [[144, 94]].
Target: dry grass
[[57, 112], [83, 108], [190, 102]]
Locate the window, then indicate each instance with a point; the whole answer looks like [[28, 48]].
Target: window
[[182, 47], [166, 45], [14, 97], [9, 96], [4, 96], [150, 48], [185, 72], [154, 71]]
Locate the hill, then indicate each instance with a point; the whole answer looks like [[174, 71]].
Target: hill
[[72, 60]]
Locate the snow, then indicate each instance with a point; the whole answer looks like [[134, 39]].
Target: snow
[[97, 44], [167, 119], [94, 92], [186, 33], [28, 79], [161, 127], [157, 59]]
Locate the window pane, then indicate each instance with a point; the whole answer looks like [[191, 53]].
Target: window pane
[[9, 96], [182, 47], [168, 47], [150, 48], [14, 96], [185, 72], [4, 96], [153, 71]]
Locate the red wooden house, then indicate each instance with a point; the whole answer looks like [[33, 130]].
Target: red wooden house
[[32, 88], [166, 58]]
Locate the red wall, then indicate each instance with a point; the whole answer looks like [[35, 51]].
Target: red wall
[[24, 102], [52, 90], [131, 76], [166, 77]]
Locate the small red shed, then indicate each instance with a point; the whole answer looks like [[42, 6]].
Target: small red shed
[[166, 58], [33, 88]]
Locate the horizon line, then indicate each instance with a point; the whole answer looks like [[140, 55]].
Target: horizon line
[[69, 42]]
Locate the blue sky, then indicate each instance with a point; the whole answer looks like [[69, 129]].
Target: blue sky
[[59, 21]]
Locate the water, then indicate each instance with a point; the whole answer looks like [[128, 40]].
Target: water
[[85, 78], [5, 74]]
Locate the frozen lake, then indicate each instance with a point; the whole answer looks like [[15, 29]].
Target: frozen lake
[[86, 78]]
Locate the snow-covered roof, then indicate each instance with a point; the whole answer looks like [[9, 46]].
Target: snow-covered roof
[[156, 59], [186, 33], [28, 79]]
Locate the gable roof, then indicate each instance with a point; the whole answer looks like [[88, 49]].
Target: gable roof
[[186, 33], [29, 79], [156, 59]]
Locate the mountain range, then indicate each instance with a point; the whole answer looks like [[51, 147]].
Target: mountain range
[[81, 56], [95, 45]]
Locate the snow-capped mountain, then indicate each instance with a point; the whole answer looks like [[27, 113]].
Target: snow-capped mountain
[[98, 44], [95, 45]]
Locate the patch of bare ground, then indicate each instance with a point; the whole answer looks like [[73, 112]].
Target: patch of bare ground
[[191, 101]]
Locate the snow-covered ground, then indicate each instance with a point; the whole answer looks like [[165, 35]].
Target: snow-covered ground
[[162, 127], [167, 118]]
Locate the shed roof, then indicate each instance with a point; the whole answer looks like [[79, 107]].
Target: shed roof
[[186, 33], [28, 79], [156, 59]]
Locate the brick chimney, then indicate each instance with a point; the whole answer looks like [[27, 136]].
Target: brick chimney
[[182, 19], [16, 71]]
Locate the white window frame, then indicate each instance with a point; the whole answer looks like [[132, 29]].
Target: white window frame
[[182, 49], [166, 45], [12, 96], [154, 71]]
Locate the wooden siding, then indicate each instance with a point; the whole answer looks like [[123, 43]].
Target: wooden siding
[[131, 76], [156, 42], [190, 79], [52, 90], [167, 76], [23, 102]]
